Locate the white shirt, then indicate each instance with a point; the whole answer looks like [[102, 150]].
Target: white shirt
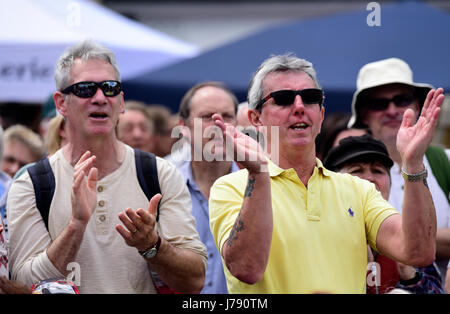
[[107, 263]]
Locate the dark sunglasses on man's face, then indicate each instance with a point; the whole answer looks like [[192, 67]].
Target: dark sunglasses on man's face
[[88, 89], [286, 97], [380, 104]]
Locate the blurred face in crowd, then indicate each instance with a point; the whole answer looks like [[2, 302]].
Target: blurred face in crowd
[[242, 116], [384, 123], [298, 123], [15, 156], [374, 172], [207, 101], [135, 129], [97, 115], [347, 133], [163, 140]]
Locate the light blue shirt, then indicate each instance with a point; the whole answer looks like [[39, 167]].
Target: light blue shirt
[[215, 282]]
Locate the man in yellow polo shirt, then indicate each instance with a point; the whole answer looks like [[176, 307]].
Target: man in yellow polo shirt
[[286, 224]]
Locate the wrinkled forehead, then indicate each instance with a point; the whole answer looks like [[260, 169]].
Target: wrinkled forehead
[[293, 80], [92, 70]]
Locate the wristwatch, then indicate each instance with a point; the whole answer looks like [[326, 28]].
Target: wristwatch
[[412, 281], [151, 253], [415, 177]]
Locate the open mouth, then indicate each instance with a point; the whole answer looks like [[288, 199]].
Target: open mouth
[[299, 126], [98, 115]]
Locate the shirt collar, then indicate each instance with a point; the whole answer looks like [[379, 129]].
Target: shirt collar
[[275, 170]]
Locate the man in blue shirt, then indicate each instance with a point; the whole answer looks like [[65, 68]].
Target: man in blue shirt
[[208, 162]]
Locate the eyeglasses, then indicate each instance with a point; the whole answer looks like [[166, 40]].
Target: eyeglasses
[[286, 97], [380, 104], [88, 89]]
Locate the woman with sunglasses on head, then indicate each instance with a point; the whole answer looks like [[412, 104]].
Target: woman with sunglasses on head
[[100, 221], [286, 224]]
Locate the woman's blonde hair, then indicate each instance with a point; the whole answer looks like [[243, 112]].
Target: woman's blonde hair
[[53, 138]]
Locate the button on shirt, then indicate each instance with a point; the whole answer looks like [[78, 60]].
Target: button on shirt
[[215, 281]]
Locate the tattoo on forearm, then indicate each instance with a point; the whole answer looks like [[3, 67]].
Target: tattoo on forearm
[[238, 226], [250, 187]]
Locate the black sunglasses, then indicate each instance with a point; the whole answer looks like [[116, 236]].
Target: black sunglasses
[[286, 97], [88, 89], [380, 104]]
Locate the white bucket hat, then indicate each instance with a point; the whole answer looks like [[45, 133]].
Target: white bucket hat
[[383, 72]]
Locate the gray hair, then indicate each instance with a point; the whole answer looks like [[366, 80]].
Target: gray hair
[[278, 63], [86, 50]]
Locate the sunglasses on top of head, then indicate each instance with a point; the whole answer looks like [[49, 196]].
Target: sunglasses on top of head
[[286, 97], [380, 104], [89, 88]]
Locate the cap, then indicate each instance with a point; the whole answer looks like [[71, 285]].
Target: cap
[[353, 148]]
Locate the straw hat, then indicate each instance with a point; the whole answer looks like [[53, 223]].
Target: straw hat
[[383, 72]]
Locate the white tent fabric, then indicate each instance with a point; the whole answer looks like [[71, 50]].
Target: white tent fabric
[[34, 33]]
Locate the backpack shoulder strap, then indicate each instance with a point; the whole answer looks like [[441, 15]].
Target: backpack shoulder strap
[[147, 174], [43, 181], [440, 166], [44, 186]]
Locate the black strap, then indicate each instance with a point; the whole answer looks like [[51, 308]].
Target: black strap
[[147, 174], [44, 186], [43, 180]]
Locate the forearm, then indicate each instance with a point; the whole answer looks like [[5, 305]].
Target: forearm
[[443, 243], [419, 221], [181, 269], [246, 251], [65, 248]]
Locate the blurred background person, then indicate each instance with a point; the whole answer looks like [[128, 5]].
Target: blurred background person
[[135, 127], [56, 135], [196, 110], [385, 94], [163, 122], [334, 128], [242, 115], [5, 180], [21, 146]]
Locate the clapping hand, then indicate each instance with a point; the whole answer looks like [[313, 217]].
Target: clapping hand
[[414, 138], [138, 228], [84, 189]]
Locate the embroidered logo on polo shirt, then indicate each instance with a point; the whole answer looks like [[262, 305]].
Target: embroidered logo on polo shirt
[[351, 213]]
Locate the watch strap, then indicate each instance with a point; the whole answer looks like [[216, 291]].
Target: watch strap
[[412, 281], [416, 176], [155, 247]]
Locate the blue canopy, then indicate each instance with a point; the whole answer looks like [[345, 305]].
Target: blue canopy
[[338, 46]]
